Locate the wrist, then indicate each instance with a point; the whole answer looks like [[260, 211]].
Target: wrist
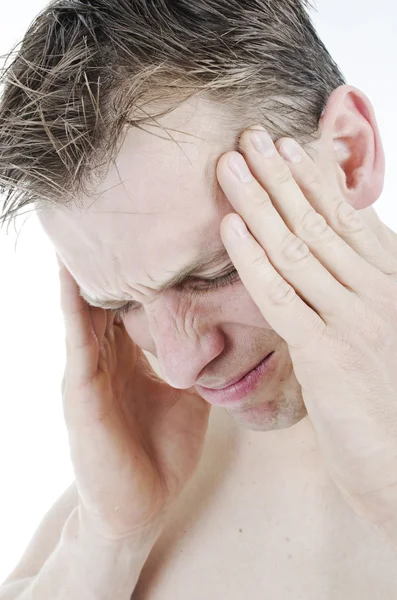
[[97, 568], [81, 531], [86, 565]]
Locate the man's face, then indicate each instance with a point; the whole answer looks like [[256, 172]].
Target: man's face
[[132, 237]]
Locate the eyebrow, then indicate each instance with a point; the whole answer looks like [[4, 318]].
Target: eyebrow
[[203, 261]]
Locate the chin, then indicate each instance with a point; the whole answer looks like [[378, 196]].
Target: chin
[[269, 416]]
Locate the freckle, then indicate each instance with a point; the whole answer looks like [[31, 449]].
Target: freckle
[[287, 539], [240, 530], [289, 555]]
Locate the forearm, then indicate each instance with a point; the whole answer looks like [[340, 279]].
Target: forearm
[[82, 566]]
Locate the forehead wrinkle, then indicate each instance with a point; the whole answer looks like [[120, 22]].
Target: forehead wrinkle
[[204, 259], [202, 262]]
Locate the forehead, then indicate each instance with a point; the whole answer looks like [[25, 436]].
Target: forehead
[[157, 207]]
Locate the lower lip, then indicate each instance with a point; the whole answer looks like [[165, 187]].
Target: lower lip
[[236, 392]]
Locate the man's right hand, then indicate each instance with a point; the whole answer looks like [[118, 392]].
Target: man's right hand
[[134, 440]]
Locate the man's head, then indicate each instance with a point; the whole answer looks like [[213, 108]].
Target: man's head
[[112, 120]]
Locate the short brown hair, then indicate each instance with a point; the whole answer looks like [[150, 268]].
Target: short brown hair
[[86, 69]]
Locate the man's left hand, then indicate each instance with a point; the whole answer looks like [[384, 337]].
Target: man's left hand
[[325, 284]]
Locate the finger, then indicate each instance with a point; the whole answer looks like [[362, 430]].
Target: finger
[[81, 341], [110, 320], [343, 218], [281, 306], [287, 253], [99, 322], [316, 213]]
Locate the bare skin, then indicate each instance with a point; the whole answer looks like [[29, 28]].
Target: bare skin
[[262, 471], [265, 520], [134, 440]]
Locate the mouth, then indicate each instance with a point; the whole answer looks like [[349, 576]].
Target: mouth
[[239, 387]]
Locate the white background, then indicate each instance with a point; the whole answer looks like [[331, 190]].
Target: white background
[[34, 459]]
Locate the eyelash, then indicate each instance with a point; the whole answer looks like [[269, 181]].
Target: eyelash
[[210, 284]]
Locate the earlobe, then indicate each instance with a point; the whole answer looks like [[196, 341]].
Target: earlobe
[[350, 124]]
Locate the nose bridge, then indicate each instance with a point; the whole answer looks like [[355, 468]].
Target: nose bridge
[[186, 338]]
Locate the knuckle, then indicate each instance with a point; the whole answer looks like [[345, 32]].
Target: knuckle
[[314, 225], [259, 201], [293, 249], [390, 269], [280, 292], [315, 186], [347, 217], [283, 176], [260, 263]]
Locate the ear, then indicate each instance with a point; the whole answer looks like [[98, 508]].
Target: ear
[[351, 134]]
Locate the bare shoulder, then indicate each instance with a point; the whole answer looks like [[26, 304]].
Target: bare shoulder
[[46, 537]]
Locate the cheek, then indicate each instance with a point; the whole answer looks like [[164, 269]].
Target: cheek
[[239, 308], [227, 308]]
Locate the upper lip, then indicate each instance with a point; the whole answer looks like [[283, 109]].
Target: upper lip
[[235, 379]]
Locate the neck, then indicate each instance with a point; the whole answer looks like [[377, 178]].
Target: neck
[[385, 235]]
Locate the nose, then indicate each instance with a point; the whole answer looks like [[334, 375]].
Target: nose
[[186, 340]]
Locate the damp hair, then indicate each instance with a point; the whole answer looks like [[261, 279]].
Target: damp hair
[[87, 70]]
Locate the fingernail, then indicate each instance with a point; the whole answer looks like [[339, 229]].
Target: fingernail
[[239, 168], [291, 151], [238, 226], [263, 143]]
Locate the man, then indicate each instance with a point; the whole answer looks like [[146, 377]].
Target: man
[[288, 488]]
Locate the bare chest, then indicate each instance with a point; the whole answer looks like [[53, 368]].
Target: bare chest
[[250, 529]]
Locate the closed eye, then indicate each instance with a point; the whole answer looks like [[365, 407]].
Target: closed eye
[[200, 285]]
